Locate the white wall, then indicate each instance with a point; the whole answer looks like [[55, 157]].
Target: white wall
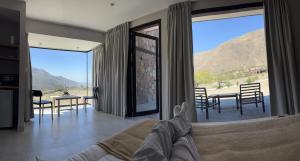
[[199, 4], [52, 29], [19, 6]]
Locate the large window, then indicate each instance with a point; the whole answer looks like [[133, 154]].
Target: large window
[[57, 71], [230, 52]]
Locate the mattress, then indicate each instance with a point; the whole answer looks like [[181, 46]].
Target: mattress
[[93, 153], [275, 139]]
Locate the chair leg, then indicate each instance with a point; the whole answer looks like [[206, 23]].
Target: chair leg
[[201, 105], [207, 117], [219, 107], [256, 104], [237, 102], [241, 107], [263, 103]]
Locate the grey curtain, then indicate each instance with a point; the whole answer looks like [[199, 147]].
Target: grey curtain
[[283, 69], [180, 52], [111, 71], [98, 76], [28, 111]]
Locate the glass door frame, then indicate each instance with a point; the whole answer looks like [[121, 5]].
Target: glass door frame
[[131, 92]]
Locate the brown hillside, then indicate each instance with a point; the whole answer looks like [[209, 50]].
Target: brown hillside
[[241, 53]]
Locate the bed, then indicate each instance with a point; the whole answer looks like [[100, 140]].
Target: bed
[[276, 139]]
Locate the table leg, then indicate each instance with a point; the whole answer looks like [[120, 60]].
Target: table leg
[[84, 102], [40, 108], [52, 111], [53, 105], [71, 103], [76, 106], [219, 108], [58, 108]]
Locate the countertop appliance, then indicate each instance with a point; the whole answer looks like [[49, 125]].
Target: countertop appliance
[[6, 108]]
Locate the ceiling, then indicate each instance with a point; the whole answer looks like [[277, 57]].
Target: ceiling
[[227, 14], [60, 43], [93, 14]]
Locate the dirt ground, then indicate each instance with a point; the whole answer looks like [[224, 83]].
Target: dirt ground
[[235, 86]]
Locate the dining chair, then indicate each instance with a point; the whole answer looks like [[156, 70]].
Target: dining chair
[[94, 96], [41, 103], [250, 94], [203, 101]]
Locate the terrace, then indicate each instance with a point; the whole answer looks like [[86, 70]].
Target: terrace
[[224, 62]]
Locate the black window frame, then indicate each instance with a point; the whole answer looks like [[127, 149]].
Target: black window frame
[[131, 99]]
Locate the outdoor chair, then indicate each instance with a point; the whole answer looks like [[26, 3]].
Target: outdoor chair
[[41, 103], [203, 101], [250, 94], [95, 96]]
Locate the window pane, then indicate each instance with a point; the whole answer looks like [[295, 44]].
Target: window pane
[[55, 72], [227, 53]]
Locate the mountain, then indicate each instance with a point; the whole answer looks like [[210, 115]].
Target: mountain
[[42, 80], [241, 53]]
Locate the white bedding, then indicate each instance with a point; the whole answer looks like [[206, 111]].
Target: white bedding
[[211, 135], [93, 153], [96, 153]]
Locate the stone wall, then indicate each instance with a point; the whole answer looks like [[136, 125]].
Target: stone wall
[[146, 70]]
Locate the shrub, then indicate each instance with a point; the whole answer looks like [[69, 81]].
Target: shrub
[[251, 79], [227, 83], [203, 77]]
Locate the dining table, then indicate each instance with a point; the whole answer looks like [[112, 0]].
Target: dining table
[[225, 95], [65, 97]]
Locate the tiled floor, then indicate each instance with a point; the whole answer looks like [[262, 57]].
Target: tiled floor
[[230, 113], [69, 134], [61, 138]]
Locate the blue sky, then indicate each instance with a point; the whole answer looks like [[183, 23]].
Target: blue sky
[[206, 36], [71, 65], [209, 34]]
